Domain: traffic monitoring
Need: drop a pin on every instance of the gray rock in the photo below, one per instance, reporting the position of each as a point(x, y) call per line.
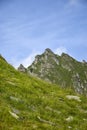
point(62, 70)
point(21, 68)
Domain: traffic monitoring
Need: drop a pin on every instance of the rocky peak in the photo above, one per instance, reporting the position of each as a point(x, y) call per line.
point(48, 52)
point(62, 70)
point(50, 57)
point(21, 68)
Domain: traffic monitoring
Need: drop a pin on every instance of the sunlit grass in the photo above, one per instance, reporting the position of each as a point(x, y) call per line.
point(37, 104)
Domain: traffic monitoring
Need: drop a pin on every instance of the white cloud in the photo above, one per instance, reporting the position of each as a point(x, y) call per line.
point(29, 59)
point(60, 50)
point(26, 61)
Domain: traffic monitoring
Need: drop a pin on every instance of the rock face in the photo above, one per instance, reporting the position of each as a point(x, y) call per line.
point(62, 70)
point(21, 68)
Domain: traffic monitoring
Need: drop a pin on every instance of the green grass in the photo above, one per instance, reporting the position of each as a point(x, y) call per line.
point(38, 105)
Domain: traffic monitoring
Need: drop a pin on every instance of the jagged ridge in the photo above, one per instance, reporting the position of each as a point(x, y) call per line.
point(62, 70)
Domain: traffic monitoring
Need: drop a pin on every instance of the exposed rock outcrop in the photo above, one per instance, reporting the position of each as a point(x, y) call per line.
point(21, 68)
point(62, 70)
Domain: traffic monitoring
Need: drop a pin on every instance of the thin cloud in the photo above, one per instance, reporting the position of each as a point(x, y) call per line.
point(60, 50)
point(26, 61)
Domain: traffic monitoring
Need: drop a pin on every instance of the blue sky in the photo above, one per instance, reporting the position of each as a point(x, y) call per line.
point(28, 27)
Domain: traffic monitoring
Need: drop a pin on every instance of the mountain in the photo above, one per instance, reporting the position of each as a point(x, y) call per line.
point(62, 70)
point(28, 103)
point(21, 68)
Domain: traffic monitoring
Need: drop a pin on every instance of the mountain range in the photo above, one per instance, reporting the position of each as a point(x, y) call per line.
point(61, 70)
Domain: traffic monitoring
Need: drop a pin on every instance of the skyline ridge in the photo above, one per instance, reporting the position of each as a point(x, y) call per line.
point(28, 27)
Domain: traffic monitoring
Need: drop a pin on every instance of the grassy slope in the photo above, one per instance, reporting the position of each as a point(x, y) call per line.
point(38, 105)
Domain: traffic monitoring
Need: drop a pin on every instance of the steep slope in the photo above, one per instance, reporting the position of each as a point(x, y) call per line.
point(62, 70)
point(27, 103)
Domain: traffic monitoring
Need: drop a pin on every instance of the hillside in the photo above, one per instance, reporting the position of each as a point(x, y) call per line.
point(61, 70)
point(28, 103)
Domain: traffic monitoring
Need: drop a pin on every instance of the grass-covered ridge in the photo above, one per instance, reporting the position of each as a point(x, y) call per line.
point(27, 103)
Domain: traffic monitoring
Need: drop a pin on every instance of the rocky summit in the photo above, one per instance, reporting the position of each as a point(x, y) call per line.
point(62, 70)
point(21, 68)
